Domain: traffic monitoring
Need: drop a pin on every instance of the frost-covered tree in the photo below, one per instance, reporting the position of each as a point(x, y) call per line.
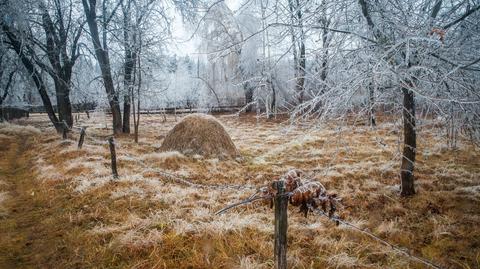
point(421, 52)
point(8, 71)
point(362, 56)
point(45, 36)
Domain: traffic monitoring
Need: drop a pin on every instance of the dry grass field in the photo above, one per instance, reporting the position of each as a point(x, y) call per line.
point(61, 208)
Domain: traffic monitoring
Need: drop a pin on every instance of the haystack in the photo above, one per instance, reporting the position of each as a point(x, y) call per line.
point(200, 134)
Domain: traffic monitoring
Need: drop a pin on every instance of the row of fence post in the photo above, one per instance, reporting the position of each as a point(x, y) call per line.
point(281, 204)
point(111, 144)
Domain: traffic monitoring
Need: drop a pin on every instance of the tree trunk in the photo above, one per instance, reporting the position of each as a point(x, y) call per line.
point(7, 86)
point(128, 85)
point(104, 62)
point(137, 69)
point(301, 72)
point(126, 114)
point(273, 102)
point(409, 143)
point(299, 59)
point(128, 67)
point(61, 74)
point(64, 105)
point(18, 47)
point(136, 133)
point(371, 103)
point(68, 108)
point(248, 96)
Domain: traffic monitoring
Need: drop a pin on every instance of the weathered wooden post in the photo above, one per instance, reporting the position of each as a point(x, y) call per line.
point(281, 225)
point(82, 137)
point(113, 156)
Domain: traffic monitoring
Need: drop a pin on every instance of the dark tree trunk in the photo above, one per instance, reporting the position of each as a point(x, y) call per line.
point(68, 108)
point(104, 62)
point(129, 64)
point(18, 47)
point(137, 69)
point(300, 87)
point(7, 85)
point(128, 85)
point(323, 73)
point(324, 60)
point(126, 114)
point(64, 106)
point(248, 96)
point(371, 105)
point(61, 54)
point(273, 103)
point(299, 59)
point(61, 73)
point(409, 143)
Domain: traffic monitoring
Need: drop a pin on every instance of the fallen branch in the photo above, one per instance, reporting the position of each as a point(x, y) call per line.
point(244, 108)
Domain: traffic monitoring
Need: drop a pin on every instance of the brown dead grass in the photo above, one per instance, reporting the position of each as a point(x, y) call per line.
point(143, 220)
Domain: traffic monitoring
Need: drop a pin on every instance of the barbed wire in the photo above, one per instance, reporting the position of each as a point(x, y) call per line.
point(252, 198)
point(189, 182)
point(398, 249)
point(337, 221)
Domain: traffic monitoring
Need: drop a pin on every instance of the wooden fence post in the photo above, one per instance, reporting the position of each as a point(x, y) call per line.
point(113, 156)
point(82, 138)
point(281, 225)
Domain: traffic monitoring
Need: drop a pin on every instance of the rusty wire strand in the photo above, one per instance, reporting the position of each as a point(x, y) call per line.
point(185, 181)
point(398, 249)
point(243, 202)
point(254, 198)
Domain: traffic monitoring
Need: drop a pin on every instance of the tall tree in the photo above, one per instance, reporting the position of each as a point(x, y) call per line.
point(62, 34)
point(298, 47)
point(7, 74)
point(59, 45)
point(129, 42)
point(410, 58)
point(101, 53)
point(24, 52)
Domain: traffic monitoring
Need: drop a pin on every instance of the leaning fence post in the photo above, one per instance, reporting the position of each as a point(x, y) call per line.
point(281, 225)
point(82, 138)
point(113, 156)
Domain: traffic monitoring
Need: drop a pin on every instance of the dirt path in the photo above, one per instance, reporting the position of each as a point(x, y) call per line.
point(26, 236)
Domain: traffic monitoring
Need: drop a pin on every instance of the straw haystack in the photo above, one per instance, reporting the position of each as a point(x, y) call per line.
point(200, 134)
